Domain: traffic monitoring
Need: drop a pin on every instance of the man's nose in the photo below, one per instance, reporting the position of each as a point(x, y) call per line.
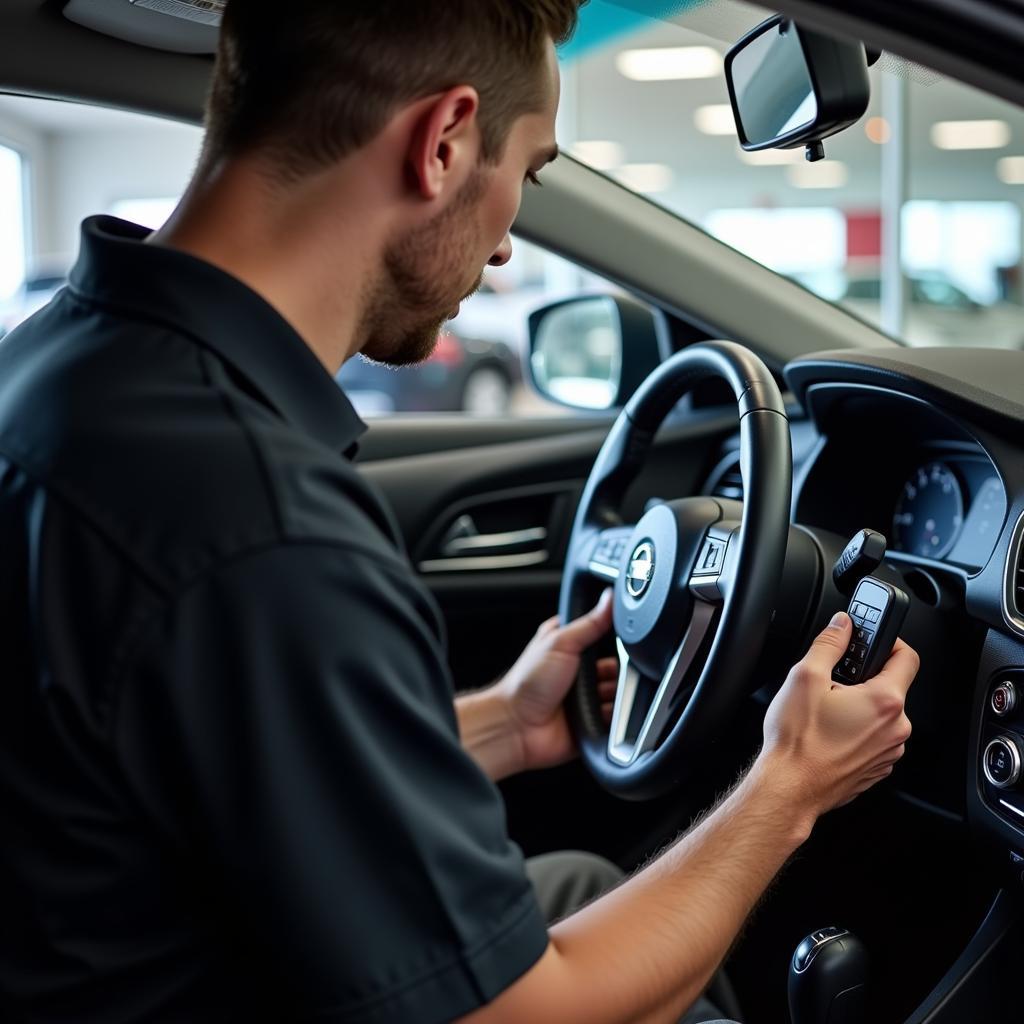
point(502, 254)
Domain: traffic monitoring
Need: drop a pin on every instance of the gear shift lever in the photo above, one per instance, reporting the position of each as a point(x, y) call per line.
point(828, 979)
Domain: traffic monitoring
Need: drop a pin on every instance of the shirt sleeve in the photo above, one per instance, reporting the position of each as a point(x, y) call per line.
point(289, 721)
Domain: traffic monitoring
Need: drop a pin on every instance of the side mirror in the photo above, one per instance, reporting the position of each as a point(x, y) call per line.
point(592, 352)
point(790, 86)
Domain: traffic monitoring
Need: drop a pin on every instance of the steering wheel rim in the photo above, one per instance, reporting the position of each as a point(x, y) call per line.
point(727, 610)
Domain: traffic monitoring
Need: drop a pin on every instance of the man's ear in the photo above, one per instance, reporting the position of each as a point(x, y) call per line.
point(445, 142)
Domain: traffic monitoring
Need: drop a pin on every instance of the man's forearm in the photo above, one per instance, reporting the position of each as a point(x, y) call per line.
point(487, 733)
point(647, 950)
point(678, 917)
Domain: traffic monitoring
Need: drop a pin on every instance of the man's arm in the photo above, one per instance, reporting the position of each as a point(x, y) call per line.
point(645, 951)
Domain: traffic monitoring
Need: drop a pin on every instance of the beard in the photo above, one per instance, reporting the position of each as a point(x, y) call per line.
point(421, 287)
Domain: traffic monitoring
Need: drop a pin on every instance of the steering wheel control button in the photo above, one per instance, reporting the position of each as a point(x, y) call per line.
point(606, 557)
point(1004, 698)
point(1001, 762)
point(711, 557)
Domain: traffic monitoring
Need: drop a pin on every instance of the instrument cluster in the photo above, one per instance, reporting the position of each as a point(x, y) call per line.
point(951, 509)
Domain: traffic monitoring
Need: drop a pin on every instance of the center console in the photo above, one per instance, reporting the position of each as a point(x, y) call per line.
point(995, 785)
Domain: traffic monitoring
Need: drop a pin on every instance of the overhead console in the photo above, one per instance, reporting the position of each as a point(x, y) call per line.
point(179, 26)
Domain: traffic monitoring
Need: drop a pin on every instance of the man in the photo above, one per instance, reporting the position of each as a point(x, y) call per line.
point(231, 775)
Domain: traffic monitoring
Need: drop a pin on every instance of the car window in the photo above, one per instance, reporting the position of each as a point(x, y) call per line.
point(12, 230)
point(91, 160)
point(479, 364)
point(646, 102)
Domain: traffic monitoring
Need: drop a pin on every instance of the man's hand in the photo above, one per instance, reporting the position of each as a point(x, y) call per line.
point(519, 723)
point(830, 742)
point(824, 744)
point(536, 685)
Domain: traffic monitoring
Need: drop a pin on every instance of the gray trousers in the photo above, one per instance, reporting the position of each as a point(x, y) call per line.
point(567, 880)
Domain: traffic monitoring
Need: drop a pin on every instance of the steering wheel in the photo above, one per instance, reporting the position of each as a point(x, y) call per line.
point(695, 579)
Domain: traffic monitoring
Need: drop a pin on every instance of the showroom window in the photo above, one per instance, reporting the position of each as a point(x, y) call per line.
point(12, 231)
point(921, 200)
point(97, 160)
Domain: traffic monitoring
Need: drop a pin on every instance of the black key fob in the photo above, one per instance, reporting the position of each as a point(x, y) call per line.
point(878, 610)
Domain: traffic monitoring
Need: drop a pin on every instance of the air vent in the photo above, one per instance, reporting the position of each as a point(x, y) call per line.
point(1013, 584)
point(726, 480)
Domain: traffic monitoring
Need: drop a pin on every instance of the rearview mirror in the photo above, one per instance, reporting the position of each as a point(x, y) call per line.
point(593, 351)
point(790, 86)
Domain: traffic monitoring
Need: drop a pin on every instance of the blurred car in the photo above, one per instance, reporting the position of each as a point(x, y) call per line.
point(34, 293)
point(940, 313)
point(500, 314)
point(462, 375)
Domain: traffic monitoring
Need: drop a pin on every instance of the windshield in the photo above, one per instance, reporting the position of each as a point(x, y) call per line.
point(934, 171)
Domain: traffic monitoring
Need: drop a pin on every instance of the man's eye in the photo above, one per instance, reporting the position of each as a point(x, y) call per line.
point(531, 177)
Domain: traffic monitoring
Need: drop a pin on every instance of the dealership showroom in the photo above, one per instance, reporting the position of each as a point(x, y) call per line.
point(512, 511)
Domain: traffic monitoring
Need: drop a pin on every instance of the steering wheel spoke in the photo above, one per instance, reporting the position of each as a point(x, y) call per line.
point(631, 735)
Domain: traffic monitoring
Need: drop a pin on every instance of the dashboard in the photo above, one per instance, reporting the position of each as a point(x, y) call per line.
point(927, 447)
point(904, 469)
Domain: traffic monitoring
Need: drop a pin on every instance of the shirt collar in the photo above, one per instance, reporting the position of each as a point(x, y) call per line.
point(116, 269)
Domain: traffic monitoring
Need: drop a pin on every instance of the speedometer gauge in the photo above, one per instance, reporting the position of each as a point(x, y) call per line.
point(930, 512)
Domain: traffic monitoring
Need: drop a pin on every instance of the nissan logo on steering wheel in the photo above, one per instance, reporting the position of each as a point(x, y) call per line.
point(641, 569)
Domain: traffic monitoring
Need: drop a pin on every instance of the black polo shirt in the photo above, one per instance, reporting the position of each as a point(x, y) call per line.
point(231, 783)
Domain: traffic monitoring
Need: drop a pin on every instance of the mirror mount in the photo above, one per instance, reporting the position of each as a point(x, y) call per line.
point(791, 86)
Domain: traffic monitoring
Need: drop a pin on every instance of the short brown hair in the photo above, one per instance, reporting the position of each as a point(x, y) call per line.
point(310, 81)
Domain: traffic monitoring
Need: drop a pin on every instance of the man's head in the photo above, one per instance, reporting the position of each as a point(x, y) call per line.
point(452, 104)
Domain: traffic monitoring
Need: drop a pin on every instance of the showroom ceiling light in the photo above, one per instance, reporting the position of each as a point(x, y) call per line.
point(771, 157)
point(823, 174)
point(601, 154)
point(669, 63)
point(715, 119)
point(982, 134)
point(877, 130)
point(1011, 170)
point(645, 178)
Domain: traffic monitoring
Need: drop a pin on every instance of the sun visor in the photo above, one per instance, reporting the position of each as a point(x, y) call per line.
point(179, 26)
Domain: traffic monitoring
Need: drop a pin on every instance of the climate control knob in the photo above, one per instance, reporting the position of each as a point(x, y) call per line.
point(1004, 698)
point(1001, 762)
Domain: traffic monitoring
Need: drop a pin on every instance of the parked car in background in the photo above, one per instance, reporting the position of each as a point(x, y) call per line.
point(940, 313)
point(462, 375)
point(499, 312)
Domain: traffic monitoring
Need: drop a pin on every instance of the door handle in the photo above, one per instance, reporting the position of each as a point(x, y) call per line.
point(463, 541)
